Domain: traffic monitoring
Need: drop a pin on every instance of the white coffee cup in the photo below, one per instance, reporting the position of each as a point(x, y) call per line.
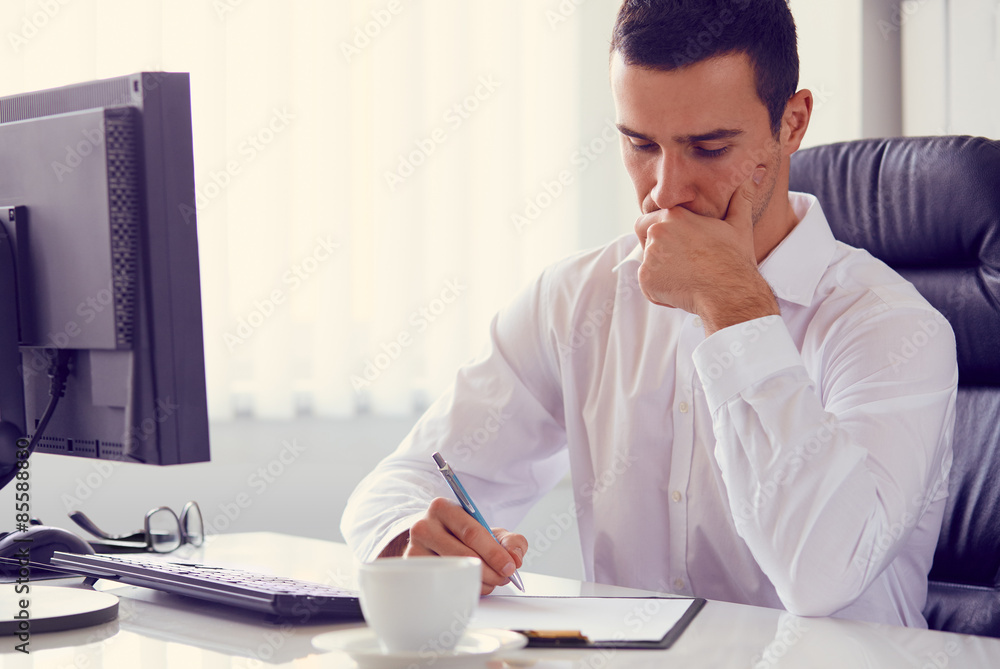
point(419, 604)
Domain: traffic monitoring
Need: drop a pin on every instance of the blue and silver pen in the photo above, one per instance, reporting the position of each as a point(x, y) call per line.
point(469, 506)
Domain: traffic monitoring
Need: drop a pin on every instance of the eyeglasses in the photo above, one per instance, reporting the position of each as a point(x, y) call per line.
point(162, 531)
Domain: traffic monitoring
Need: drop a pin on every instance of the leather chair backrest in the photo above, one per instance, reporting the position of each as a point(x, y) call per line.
point(930, 208)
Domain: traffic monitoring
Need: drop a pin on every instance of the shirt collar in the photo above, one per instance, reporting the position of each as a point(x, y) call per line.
point(796, 265)
point(634, 257)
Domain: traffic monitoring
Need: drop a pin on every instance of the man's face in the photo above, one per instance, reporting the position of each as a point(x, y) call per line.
point(690, 136)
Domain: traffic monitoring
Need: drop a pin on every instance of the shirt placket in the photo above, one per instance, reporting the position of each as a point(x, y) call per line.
point(681, 453)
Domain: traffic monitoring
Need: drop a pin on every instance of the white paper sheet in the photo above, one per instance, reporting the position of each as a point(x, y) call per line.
point(598, 618)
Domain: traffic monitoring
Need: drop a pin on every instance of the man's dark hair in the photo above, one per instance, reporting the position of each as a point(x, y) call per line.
point(671, 34)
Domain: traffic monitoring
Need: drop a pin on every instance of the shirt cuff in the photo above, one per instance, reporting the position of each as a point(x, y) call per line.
point(739, 356)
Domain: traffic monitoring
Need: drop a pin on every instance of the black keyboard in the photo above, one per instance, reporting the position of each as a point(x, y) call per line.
point(284, 597)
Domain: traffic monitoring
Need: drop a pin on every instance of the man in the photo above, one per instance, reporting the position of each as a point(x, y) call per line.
point(725, 391)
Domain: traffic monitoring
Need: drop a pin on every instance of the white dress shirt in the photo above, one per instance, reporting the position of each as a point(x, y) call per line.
point(797, 462)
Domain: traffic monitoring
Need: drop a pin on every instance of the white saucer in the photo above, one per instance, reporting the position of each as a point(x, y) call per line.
point(475, 645)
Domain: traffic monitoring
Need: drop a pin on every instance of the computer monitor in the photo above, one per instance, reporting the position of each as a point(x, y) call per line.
point(99, 273)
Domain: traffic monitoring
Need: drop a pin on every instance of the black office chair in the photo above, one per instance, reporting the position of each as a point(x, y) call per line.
point(930, 208)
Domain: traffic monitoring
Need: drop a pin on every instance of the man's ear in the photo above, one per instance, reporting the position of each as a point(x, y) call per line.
point(795, 121)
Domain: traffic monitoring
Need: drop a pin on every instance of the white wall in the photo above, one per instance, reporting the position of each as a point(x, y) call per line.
point(951, 73)
point(829, 66)
point(849, 58)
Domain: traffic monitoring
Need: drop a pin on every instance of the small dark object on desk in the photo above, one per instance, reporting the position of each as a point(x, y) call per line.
point(37, 544)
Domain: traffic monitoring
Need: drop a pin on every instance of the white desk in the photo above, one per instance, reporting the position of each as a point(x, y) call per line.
point(156, 631)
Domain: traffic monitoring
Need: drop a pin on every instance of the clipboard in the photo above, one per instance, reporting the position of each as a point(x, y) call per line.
point(644, 622)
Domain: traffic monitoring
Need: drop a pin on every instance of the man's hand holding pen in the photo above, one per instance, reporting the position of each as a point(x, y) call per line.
point(460, 529)
point(446, 529)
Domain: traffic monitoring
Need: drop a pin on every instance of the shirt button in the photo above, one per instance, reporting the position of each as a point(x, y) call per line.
point(676, 496)
point(696, 322)
point(679, 584)
point(683, 407)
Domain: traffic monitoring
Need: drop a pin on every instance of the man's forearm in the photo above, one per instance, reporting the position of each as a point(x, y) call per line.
point(397, 546)
point(738, 304)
